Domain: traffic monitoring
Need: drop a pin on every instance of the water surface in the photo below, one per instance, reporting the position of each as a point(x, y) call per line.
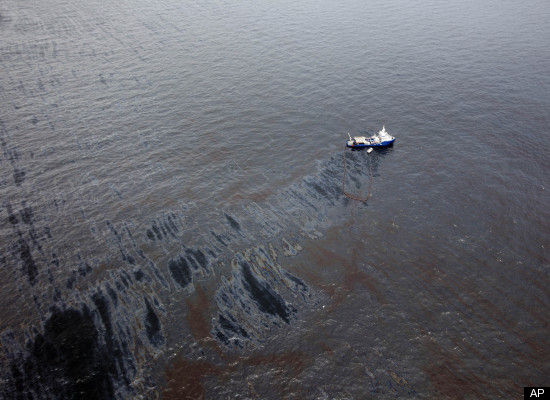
point(173, 222)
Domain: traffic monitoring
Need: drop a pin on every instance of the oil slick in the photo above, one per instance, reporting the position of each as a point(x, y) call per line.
point(98, 322)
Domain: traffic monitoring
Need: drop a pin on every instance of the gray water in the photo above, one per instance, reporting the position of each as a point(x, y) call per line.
point(173, 221)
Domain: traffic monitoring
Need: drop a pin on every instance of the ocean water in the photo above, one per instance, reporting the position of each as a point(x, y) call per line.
point(173, 220)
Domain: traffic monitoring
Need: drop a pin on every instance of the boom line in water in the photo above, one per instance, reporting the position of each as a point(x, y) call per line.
point(352, 196)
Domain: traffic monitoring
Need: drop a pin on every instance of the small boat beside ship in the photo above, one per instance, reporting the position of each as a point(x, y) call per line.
point(381, 139)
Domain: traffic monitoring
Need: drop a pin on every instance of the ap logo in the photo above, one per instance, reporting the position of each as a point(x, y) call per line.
point(536, 393)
